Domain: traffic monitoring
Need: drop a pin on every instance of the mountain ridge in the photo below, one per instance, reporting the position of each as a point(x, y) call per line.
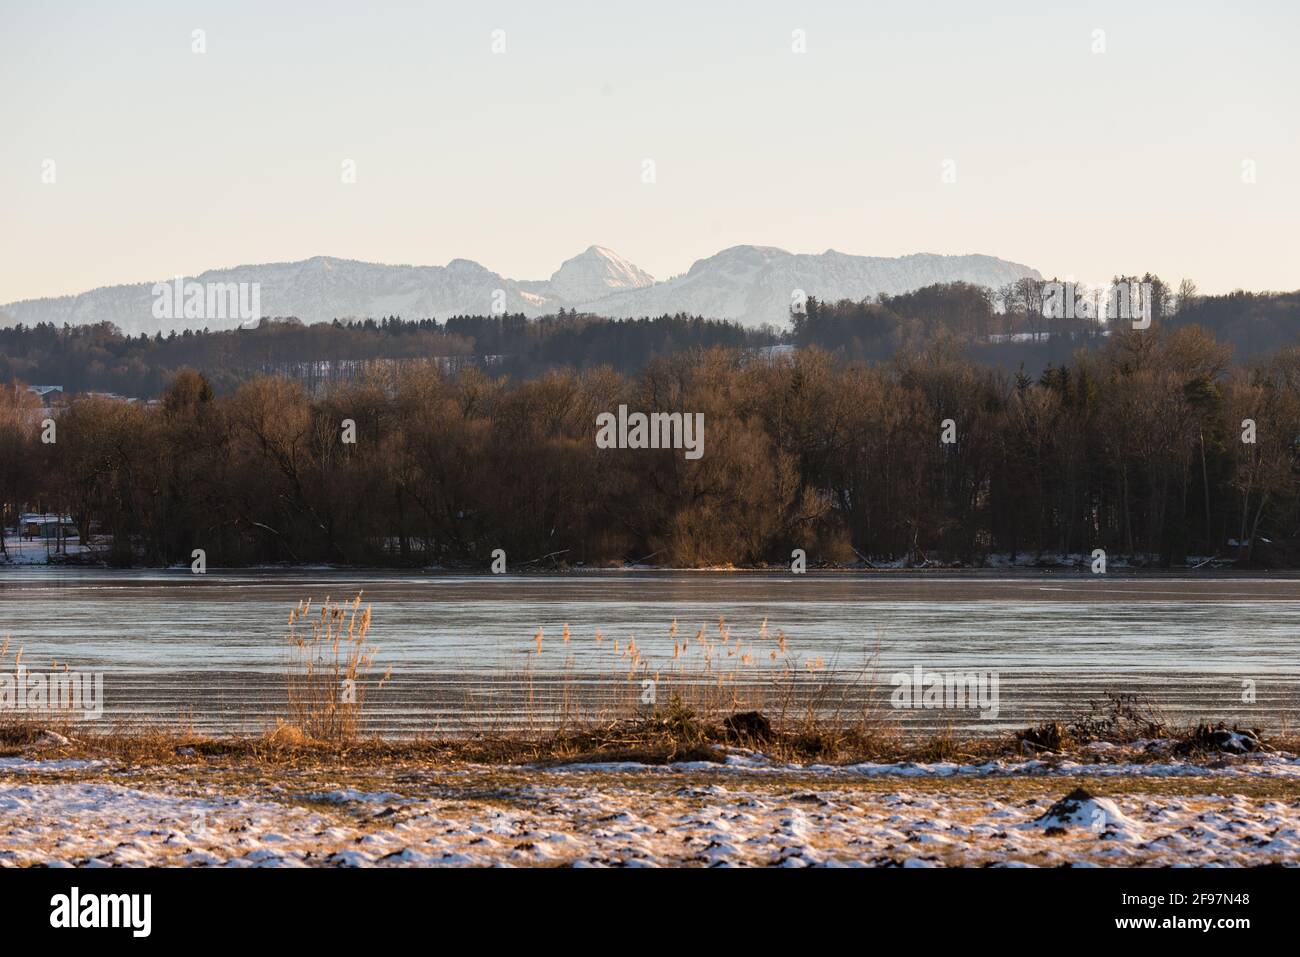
point(749, 284)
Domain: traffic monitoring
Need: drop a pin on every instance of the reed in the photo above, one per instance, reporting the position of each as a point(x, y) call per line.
point(328, 670)
point(605, 692)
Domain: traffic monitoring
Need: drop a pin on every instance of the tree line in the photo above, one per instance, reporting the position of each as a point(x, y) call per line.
point(99, 358)
point(1138, 446)
point(1009, 327)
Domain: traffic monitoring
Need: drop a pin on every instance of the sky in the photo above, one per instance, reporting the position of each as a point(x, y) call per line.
point(1100, 139)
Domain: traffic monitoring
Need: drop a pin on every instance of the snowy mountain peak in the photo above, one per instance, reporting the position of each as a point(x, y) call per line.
point(596, 272)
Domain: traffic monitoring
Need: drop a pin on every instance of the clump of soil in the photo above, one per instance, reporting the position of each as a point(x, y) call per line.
point(1065, 811)
point(1049, 736)
point(748, 726)
point(1206, 738)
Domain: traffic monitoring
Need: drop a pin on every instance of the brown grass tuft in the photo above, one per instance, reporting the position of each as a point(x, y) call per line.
point(328, 666)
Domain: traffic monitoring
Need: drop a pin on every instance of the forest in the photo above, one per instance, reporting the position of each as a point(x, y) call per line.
point(1152, 444)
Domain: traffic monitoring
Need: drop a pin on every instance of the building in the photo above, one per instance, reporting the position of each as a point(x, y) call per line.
point(48, 394)
point(111, 397)
point(46, 527)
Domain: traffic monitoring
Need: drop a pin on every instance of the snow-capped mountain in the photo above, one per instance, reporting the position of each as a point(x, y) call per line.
point(594, 274)
point(758, 284)
point(315, 290)
point(752, 284)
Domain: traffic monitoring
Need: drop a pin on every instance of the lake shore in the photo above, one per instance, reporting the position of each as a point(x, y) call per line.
point(20, 550)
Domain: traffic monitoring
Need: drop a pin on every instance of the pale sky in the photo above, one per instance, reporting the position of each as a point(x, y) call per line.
point(1079, 163)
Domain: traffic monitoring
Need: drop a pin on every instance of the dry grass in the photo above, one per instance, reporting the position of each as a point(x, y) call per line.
point(327, 672)
point(654, 740)
point(713, 672)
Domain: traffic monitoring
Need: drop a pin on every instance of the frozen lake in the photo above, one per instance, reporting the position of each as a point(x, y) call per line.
point(210, 650)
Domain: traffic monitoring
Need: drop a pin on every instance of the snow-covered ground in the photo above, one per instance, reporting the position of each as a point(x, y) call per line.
point(748, 813)
point(36, 551)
